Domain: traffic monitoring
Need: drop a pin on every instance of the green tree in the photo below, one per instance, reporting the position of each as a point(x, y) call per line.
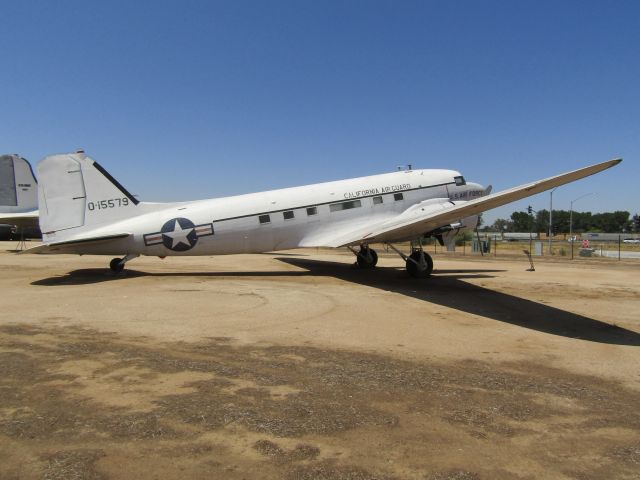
point(521, 222)
point(501, 225)
point(560, 221)
point(612, 222)
point(541, 223)
point(582, 221)
point(609, 222)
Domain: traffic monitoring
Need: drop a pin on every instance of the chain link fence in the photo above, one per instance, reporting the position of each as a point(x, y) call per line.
point(620, 248)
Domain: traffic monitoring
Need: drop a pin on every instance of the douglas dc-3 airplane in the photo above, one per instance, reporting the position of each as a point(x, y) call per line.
point(84, 210)
point(18, 193)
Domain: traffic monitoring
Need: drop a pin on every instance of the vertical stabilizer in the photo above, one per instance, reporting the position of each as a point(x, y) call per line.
point(76, 193)
point(18, 186)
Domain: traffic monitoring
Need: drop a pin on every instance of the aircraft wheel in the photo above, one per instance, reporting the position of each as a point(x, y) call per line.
point(367, 258)
point(116, 265)
point(424, 268)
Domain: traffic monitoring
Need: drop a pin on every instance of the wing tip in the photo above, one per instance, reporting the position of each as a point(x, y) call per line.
point(608, 164)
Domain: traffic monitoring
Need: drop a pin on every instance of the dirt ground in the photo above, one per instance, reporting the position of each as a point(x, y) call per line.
point(296, 365)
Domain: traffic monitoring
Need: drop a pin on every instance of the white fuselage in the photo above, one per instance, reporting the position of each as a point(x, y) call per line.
point(277, 219)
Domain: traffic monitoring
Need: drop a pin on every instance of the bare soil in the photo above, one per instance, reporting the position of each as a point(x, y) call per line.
point(298, 366)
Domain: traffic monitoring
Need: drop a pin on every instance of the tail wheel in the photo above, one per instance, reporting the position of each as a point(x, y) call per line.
point(116, 265)
point(421, 266)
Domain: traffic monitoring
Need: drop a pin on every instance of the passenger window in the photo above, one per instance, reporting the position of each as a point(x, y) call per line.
point(288, 215)
point(460, 181)
point(312, 211)
point(336, 207)
point(398, 196)
point(264, 219)
point(377, 200)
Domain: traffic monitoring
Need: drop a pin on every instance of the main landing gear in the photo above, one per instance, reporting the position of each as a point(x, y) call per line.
point(366, 257)
point(117, 264)
point(419, 263)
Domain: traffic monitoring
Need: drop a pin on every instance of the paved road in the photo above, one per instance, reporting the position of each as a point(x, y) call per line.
point(614, 254)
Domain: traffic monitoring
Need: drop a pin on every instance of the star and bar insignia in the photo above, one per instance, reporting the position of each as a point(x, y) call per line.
point(179, 234)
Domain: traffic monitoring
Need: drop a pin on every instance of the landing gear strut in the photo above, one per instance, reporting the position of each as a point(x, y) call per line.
point(365, 257)
point(419, 264)
point(117, 264)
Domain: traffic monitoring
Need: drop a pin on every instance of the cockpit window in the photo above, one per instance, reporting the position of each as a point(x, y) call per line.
point(459, 180)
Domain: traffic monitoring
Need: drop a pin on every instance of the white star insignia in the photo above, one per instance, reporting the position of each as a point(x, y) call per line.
point(179, 235)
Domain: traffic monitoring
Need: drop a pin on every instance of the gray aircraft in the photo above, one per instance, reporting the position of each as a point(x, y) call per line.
point(18, 196)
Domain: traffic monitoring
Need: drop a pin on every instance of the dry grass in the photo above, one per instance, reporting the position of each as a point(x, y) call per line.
point(331, 395)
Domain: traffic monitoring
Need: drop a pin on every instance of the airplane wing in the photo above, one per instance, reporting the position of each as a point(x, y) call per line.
point(22, 220)
point(70, 245)
point(416, 222)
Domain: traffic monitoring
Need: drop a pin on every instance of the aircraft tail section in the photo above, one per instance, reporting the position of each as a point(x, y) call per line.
point(18, 185)
point(75, 192)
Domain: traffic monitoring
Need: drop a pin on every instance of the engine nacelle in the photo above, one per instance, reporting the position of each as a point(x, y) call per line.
point(467, 223)
point(447, 233)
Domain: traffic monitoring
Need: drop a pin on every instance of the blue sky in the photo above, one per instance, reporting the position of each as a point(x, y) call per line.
point(195, 99)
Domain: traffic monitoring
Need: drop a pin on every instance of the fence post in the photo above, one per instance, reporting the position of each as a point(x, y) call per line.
point(572, 242)
point(619, 245)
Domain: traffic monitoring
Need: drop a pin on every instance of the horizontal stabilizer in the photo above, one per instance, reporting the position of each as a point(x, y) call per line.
point(70, 245)
point(20, 220)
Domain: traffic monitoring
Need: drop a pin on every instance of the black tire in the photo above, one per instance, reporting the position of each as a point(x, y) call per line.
point(414, 270)
point(374, 254)
point(116, 266)
point(367, 261)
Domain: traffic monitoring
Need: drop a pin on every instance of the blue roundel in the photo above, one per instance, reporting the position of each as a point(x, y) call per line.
point(179, 234)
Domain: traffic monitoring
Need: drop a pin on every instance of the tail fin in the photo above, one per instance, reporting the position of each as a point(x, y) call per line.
point(18, 186)
point(75, 191)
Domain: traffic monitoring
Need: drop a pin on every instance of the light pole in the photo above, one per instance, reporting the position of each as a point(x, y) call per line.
point(571, 212)
point(571, 219)
point(551, 217)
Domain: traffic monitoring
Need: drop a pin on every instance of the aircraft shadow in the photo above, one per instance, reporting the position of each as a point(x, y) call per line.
point(87, 276)
point(445, 287)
